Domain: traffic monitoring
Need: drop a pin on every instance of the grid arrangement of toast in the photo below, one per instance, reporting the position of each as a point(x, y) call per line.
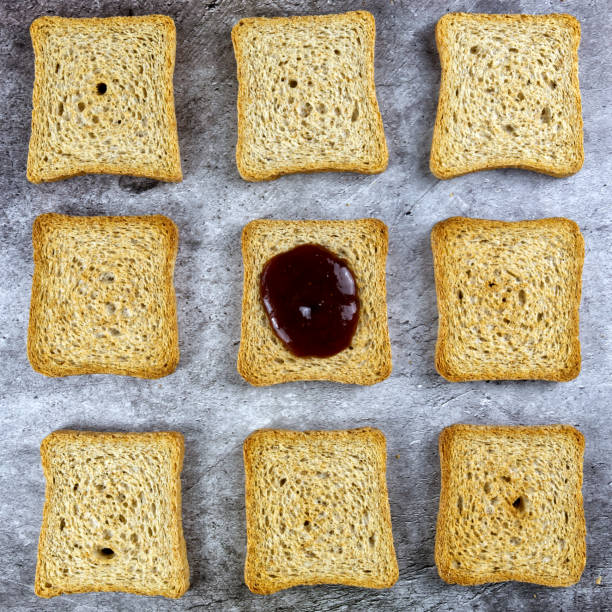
point(314, 302)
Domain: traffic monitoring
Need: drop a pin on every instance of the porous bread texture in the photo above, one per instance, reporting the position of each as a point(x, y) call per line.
point(262, 358)
point(317, 510)
point(508, 298)
point(511, 505)
point(103, 296)
point(306, 96)
point(112, 515)
point(509, 94)
point(103, 99)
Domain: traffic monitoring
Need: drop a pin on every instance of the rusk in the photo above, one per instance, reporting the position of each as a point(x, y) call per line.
point(317, 510)
point(103, 99)
point(103, 297)
point(511, 505)
point(509, 94)
point(508, 298)
point(262, 358)
point(306, 96)
point(112, 515)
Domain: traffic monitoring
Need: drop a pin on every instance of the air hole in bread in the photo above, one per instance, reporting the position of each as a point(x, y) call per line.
point(510, 129)
point(519, 504)
point(522, 297)
point(513, 50)
point(106, 553)
point(506, 478)
point(81, 106)
point(372, 540)
point(460, 294)
point(475, 49)
point(546, 115)
point(292, 83)
point(460, 504)
point(283, 481)
point(355, 114)
point(101, 88)
point(62, 523)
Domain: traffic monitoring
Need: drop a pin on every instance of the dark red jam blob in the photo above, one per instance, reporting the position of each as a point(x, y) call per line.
point(311, 299)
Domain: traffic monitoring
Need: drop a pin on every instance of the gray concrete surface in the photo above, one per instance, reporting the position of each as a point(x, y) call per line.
point(207, 400)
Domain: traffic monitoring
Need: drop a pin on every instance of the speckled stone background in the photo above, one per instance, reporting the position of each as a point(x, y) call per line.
point(208, 401)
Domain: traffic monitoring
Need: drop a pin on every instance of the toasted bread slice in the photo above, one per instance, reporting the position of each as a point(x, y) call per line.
point(317, 510)
point(306, 96)
point(112, 515)
point(263, 359)
point(511, 505)
point(103, 98)
point(508, 298)
point(103, 296)
point(509, 94)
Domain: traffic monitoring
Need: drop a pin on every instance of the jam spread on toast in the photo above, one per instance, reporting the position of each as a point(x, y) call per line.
point(311, 298)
